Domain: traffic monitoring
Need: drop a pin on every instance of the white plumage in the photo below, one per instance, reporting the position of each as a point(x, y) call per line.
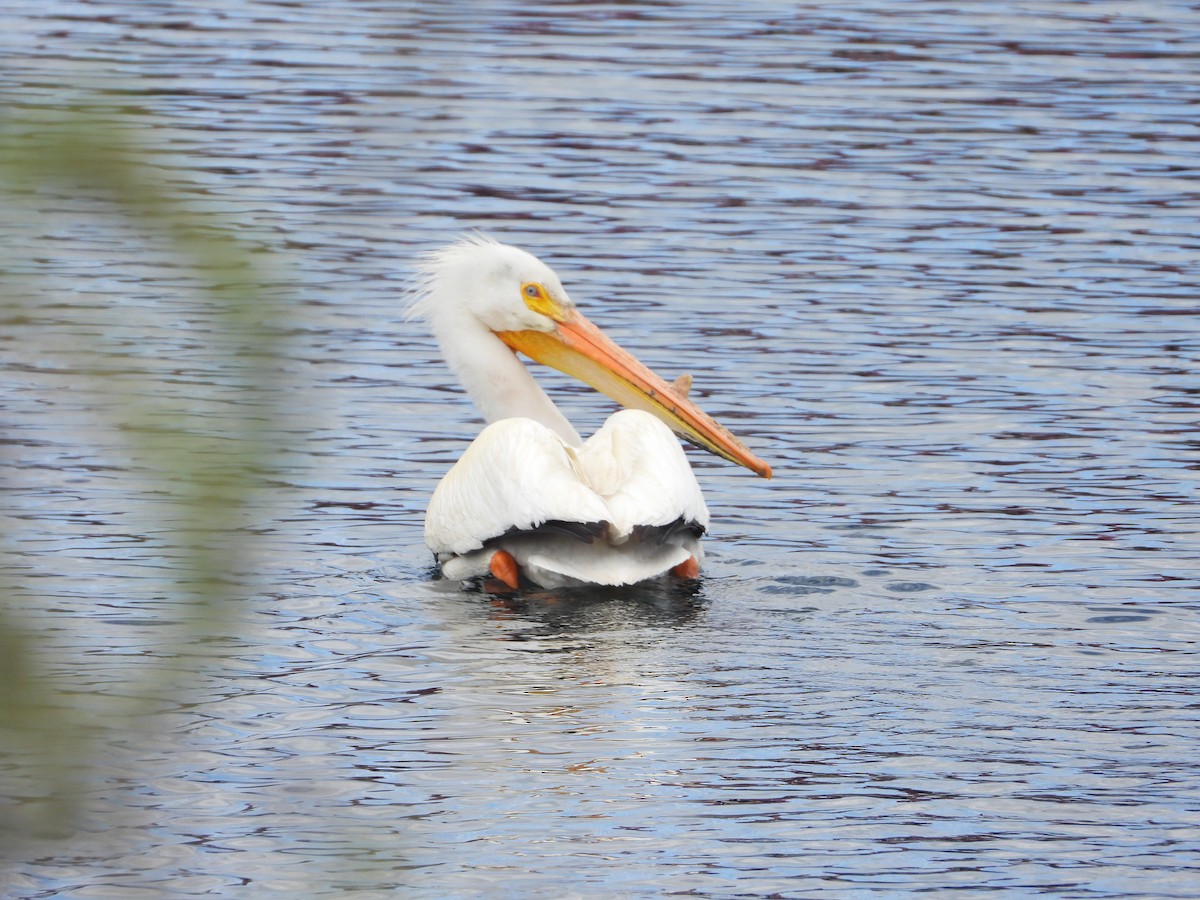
point(631, 473)
point(622, 507)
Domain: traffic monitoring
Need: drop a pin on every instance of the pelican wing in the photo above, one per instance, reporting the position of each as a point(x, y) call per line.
point(638, 466)
point(520, 487)
point(516, 475)
point(656, 513)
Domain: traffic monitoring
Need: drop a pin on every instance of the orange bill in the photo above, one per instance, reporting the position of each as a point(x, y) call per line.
point(580, 349)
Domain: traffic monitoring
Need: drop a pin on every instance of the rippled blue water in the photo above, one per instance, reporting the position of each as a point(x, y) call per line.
point(937, 265)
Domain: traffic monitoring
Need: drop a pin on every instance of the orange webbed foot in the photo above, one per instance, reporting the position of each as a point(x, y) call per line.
point(689, 568)
point(504, 567)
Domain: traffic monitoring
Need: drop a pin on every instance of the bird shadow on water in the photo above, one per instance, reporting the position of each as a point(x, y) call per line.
point(663, 602)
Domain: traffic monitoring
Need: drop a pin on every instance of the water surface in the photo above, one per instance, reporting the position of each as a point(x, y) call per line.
point(938, 267)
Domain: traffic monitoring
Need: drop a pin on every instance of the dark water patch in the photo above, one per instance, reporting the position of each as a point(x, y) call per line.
point(909, 587)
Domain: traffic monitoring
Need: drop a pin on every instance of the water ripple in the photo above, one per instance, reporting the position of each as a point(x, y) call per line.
point(937, 266)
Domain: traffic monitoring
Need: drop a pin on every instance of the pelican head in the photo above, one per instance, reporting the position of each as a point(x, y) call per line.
point(503, 288)
point(479, 284)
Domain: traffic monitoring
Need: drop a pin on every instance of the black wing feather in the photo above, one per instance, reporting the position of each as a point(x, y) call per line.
point(660, 534)
point(584, 532)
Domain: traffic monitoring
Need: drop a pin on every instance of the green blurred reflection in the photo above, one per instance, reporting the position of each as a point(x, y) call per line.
point(207, 477)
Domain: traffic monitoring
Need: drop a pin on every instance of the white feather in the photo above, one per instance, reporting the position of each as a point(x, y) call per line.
point(518, 474)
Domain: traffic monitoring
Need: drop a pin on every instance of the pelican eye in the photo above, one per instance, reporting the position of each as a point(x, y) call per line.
point(538, 299)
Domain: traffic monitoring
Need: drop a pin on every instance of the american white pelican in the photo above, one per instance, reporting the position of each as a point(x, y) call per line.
point(529, 499)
